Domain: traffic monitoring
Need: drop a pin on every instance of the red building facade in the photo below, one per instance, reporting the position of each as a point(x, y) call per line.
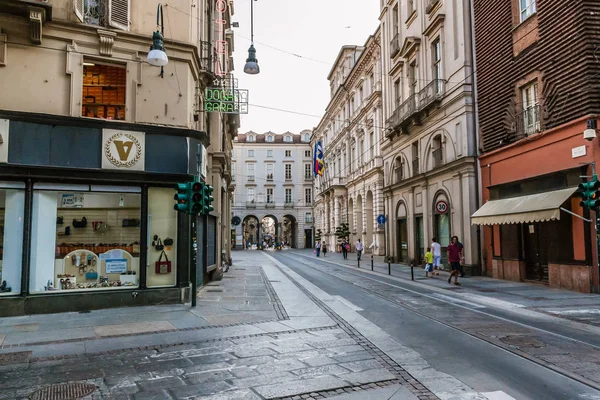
point(537, 86)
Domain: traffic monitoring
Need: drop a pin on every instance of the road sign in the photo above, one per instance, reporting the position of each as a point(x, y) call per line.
point(381, 219)
point(441, 207)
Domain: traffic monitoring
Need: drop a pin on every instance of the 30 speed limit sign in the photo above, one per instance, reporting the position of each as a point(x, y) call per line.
point(441, 207)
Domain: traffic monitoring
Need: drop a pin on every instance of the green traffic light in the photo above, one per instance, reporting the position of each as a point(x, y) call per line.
point(207, 208)
point(588, 191)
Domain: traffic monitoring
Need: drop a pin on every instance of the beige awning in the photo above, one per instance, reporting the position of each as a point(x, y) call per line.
point(530, 208)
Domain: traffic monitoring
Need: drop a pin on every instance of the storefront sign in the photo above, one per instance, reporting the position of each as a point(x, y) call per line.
point(226, 99)
point(220, 44)
point(441, 207)
point(578, 151)
point(116, 266)
point(72, 200)
point(123, 150)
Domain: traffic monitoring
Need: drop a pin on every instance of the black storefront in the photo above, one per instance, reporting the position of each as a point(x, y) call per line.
point(87, 218)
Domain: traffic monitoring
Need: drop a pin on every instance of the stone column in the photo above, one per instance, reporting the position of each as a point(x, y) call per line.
point(336, 213)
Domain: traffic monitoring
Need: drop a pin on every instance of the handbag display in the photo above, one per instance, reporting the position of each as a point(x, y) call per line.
point(131, 223)
point(168, 242)
point(159, 245)
point(162, 267)
point(80, 224)
point(91, 275)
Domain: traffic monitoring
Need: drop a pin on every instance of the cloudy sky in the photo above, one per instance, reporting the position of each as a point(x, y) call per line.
point(312, 29)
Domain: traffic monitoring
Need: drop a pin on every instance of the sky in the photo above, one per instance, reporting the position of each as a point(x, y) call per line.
point(312, 29)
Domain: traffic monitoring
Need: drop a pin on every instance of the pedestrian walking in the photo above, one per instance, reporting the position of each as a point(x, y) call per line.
point(324, 248)
point(437, 256)
point(345, 247)
point(454, 258)
point(318, 248)
point(428, 263)
point(359, 249)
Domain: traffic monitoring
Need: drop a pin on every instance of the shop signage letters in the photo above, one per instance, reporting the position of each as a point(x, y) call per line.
point(123, 150)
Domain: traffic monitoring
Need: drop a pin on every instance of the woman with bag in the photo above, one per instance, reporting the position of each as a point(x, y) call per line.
point(324, 247)
point(345, 249)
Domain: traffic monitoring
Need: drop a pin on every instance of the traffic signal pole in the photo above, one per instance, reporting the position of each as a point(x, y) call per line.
point(597, 227)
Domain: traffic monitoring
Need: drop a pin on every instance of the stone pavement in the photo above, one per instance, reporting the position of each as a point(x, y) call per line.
point(262, 333)
point(566, 304)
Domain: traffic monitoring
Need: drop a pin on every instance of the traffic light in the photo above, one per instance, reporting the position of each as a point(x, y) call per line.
point(182, 197)
point(197, 198)
point(589, 193)
point(207, 199)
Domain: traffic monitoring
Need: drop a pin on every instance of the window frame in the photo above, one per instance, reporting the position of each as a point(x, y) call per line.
point(250, 153)
point(288, 172)
point(526, 9)
point(288, 195)
point(308, 196)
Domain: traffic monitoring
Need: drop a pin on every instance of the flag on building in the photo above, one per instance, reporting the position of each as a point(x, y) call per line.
point(319, 164)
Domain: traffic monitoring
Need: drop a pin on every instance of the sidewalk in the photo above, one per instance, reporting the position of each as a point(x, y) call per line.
point(263, 332)
point(575, 306)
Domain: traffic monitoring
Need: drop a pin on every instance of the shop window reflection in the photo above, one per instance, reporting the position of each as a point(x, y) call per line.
point(85, 241)
point(162, 240)
point(12, 203)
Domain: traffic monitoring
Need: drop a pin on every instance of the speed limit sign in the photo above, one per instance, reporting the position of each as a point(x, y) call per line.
point(441, 207)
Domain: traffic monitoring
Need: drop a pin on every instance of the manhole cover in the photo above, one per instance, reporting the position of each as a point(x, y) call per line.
point(523, 341)
point(65, 391)
point(15, 358)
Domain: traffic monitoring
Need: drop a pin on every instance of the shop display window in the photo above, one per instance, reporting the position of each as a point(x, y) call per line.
point(12, 201)
point(85, 238)
point(162, 238)
point(103, 90)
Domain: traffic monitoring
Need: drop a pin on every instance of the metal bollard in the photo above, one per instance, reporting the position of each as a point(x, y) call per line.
point(358, 261)
point(371, 262)
point(389, 267)
point(412, 271)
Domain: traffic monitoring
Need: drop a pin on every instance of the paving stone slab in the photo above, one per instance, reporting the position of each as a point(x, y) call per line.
point(203, 389)
point(261, 380)
point(373, 375)
point(160, 383)
point(314, 372)
point(300, 386)
point(394, 392)
point(242, 394)
point(195, 378)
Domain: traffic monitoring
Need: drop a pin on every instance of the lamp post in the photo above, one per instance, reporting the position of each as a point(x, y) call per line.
point(251, 67)
point(157, 56)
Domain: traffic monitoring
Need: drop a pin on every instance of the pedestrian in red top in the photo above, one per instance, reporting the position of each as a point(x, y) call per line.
point(455, 254)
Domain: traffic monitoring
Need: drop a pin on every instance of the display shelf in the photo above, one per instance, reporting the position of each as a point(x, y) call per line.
point(104, 104)
point(102, 85)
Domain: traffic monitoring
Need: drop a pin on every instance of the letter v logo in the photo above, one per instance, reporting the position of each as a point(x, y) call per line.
point(124, 149)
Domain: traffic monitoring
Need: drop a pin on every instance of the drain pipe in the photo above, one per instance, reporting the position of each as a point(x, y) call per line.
point(480, 241)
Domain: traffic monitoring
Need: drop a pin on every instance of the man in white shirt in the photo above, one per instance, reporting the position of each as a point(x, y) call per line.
point(359, 249)
point(436, 248)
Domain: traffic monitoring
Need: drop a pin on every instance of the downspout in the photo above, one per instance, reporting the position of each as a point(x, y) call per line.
point(471, 25)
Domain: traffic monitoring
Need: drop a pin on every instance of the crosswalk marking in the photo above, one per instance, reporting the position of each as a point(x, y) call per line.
point(498, 395)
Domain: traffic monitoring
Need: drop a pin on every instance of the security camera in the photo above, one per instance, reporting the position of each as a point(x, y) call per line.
point(589, 134)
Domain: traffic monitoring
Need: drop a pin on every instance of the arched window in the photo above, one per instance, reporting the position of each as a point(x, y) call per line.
point(437, 151)
point(251, 138)
point(307, 137)
point(269, 138)
point(398, 170)
point(288, 138)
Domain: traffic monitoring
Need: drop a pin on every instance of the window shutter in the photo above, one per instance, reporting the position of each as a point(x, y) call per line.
point(118, 14)
point(78, 8)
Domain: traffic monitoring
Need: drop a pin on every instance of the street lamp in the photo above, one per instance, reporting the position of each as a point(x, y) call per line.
point(157, 56)
point(251, 67)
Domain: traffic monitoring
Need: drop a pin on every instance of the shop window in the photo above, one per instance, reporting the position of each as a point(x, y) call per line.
point(162, 229)
point(85, 238)
point(12, 201)
point(510, 241)
point(103, 90)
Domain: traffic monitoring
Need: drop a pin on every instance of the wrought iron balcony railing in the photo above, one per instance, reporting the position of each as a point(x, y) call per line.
point(395, 45)
point(415, 105)
point(529, 121)
point(437, 157)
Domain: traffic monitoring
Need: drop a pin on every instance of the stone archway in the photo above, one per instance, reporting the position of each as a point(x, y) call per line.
point(269, 229)
point(250, 230)
point(289, 228)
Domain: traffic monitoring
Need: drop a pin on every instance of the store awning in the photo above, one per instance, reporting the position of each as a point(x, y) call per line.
point(530, 208)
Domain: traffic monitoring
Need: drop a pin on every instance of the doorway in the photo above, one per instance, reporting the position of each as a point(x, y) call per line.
point(420, 240)
point(536, 256)
point(308, 241)
point(402, 240)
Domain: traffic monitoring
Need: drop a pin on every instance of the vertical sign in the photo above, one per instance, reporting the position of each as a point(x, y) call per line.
point(220, 43)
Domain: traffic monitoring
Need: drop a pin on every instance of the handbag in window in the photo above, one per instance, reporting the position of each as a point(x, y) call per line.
point(91, 275)
point(163, 267)
point(159, 245)
point(80, 224)
point(168, 242)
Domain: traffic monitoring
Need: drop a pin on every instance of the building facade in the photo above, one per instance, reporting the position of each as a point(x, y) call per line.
point(534, 105)
point(351, 189)
point(430, 146)
point(92, 142)
point(273, 196)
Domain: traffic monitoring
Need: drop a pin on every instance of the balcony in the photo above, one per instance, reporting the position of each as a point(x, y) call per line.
point(395, 45)
point(288, 204)
point(431, 5)
point(251, 204)
point(206, 56)
point(438, 158)
point(528, 121)
point(415, 107)
point(415, 165)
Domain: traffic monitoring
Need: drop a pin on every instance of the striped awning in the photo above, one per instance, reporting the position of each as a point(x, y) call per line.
point(531, 208)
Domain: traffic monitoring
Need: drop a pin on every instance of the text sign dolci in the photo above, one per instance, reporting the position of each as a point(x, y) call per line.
point(226, 100)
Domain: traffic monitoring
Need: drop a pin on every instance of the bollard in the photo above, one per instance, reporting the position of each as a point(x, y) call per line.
point(412, 271)
point(371, 262)
point(358, 260)
point(389, 267)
